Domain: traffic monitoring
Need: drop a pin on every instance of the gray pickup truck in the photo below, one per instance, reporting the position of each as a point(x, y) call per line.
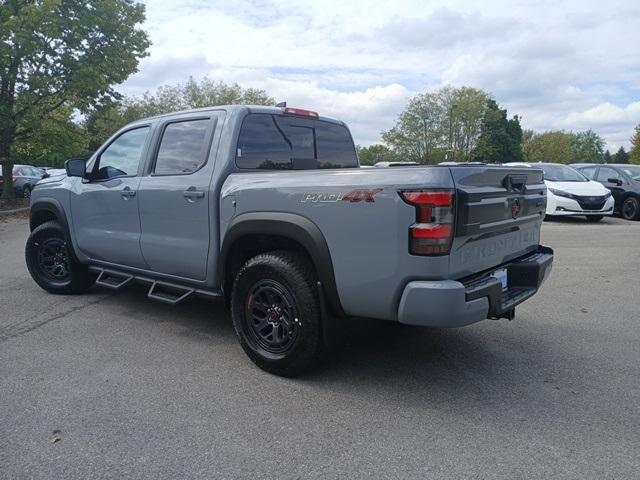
point(268, 209)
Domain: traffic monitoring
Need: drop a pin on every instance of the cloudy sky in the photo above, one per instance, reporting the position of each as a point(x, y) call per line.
point(559, 64)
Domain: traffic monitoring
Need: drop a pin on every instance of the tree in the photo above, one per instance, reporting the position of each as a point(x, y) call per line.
point(607, 157)
point(418, 129)
point(56, 54)
point(438, 125)
point(103, 120)
point(376, 153)
point(501, 138)
point(621, 156)
point(634, 153)
point(587, 147)
point(57, 139)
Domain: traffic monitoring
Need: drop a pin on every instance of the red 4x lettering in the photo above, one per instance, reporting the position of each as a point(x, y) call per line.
point(361, 195)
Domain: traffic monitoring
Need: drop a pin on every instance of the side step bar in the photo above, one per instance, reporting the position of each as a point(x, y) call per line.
point(160, 290)
point(169, 293)
point(114, 280)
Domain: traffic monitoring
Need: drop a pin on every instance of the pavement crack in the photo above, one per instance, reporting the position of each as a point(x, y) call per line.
point(16, 330)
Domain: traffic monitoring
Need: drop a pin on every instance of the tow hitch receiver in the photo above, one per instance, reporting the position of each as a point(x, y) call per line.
point(509, 315)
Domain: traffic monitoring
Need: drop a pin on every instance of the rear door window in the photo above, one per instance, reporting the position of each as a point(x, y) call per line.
point(183, 148)
point(288, 142)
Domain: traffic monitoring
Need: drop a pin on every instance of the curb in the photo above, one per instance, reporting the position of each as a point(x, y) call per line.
point(15, 210)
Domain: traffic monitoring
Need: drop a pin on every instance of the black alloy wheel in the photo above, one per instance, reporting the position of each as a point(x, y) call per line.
point(271, 316)
point(53, 259)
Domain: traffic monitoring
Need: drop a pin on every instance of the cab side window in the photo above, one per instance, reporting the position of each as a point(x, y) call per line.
point(589, 172)
point(122, 157)
point(183, 148)
point(606, 173)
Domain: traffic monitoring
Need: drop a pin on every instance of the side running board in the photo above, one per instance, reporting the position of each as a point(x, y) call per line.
point(169, 293)
point(114, 280)
point(162, 291)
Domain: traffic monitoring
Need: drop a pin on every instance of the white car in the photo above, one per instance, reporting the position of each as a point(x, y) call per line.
point(569, 192)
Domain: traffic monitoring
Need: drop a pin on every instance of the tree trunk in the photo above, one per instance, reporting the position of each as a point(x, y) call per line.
point(8, 195)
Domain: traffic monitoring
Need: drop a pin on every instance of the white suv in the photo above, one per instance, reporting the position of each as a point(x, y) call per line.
point(569, 192)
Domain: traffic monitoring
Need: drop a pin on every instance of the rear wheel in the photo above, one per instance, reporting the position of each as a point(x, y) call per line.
point(51, 263)
point(276, 312)
point(630, 208)
point(594, 218)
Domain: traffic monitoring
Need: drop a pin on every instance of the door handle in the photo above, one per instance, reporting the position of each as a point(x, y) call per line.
point(127, 193)
point(192, 194)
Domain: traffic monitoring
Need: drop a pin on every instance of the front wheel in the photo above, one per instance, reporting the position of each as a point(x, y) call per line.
point(630, 209)
point(26, 192)
point(276, 312)
point(594, 218)
point(51, 264)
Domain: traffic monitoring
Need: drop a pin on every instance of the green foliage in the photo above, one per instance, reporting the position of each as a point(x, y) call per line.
point(587, 147)
point(61, 53)
point(621, 156)
point(500, 138)
point(104, 120)
point(376, 153)
point(57, 140)
point(448, 121)
point(607, 157)
point(563, 147)
point(634, 153)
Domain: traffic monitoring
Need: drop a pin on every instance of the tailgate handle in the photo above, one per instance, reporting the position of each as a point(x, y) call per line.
point(515, 183)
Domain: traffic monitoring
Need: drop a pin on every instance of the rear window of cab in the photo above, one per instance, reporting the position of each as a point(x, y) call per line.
point(281, 142)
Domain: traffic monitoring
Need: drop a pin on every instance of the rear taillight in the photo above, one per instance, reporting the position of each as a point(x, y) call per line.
point(433, 230)
point(13, 180)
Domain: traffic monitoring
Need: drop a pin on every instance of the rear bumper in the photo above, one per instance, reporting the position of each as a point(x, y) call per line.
point(451, 303)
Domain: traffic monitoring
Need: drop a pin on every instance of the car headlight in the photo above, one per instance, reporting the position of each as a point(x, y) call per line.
point(560, 193)
point(607, 195)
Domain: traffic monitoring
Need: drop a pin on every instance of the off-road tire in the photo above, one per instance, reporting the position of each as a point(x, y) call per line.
point(292, 275)
point(61, 273)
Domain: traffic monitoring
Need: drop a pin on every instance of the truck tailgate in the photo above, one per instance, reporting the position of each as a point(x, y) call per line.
point(498, 215)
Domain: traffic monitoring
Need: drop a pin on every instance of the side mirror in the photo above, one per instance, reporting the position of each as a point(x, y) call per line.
point(617, 181)
point(45, 175)
point(75, 167)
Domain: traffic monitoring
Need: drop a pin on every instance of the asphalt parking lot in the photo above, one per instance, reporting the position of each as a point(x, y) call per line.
point(111, 385)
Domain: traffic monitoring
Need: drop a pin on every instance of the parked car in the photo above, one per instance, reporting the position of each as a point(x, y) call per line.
point(624, 183)
point(570, 193)
point(25, 178)
point(268, 209)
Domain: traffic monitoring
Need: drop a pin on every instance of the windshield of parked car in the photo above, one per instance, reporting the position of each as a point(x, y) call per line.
point(632, 171)
point(562, 173)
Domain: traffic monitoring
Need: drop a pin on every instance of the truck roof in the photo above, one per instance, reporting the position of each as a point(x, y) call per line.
point(236, 108)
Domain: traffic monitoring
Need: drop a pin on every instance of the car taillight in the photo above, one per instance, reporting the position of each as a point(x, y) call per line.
point(433, 231)
point(13, 180)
